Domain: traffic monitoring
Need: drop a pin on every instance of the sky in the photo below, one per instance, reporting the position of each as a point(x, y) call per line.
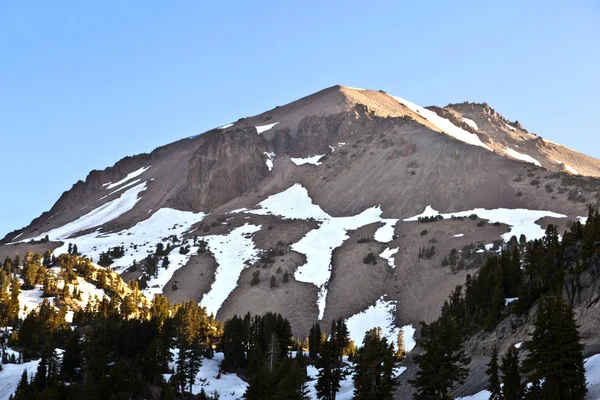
point(84, 84)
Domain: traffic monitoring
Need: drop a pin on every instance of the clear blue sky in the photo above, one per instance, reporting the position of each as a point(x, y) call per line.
point(83, 84)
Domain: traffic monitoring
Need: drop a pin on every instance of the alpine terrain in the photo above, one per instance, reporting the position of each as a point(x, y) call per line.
point(221, 259)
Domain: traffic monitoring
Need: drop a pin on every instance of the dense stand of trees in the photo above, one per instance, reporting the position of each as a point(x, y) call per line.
point(535, 273)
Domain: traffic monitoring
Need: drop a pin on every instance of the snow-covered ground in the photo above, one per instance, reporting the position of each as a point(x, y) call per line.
point(388, 254)
point(443, 124)
point(263, 128)
point(10, 375)
point(229, 386)
point(31, 299)
point(140, 241)
point(571, 169)
point(130, 176)
point(314, 160)
point(346, 391)
point(319, 243)
point(520, 221)
point(232, 252)
point(269, 160)
point(471, 123)
point(98, 216)
point(380, 315)
point(523, 157)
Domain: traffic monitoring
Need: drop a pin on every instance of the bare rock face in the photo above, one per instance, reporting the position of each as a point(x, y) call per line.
point(225, 166)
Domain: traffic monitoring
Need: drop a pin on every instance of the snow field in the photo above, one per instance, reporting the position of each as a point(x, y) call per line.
point(520, 221)
point(444, 125)
point(98, 216)
point(380, 315)
point(263, 128)
point(318, 244)
point(232, 252)
point(140, 241)
point(522, 157)
point(11, 375)
point(229, 386)
point(129, 177)
point(470, 122)
point(314, 160)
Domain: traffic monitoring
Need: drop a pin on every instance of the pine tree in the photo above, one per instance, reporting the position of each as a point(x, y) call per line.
point(374, 368)
point(492, 372)
point(512, 389)
point(314, 341)
point(328, 382)
point(443, 361)
point(556, 353)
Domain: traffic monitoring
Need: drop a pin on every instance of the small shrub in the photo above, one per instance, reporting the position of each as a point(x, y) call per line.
point(481, 223)
point(255, 278)
point(370, 259)
point(424, 232)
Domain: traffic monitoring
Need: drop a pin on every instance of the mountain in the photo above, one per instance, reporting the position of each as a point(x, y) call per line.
point(328, 191)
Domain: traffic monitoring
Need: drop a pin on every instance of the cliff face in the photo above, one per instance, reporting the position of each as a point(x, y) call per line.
point(226, 165)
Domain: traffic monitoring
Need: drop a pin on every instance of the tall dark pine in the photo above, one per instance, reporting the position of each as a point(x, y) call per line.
point(374, 371)
point(512, 389)
point(494, 377)
point(443, 361)
point(556, 353)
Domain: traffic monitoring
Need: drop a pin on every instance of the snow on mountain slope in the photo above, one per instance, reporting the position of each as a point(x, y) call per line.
point(10, 375)
point(99, 216)
point(470, 122)
point(130, 176)
point(314, 160)
point(380, 315)
point(232, 252)
point(264, 128)
point(523, 157)
point(444, 124)
point(319, 243)
point(388, 254)
point(211, 379)
point(520, 221)
point(139, 241)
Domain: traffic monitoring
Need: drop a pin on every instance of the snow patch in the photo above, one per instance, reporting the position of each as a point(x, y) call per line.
point(233, 252)
point(318, 244)
point(380, 315)
point(518, 345)
point(388, 254)
point(314, 160)
point(444, 125)
point(470, 122)
point(129, 177)
point(519, 220)
point(510, 300)
point(522, 157)
point(98, 216)
point(459, 235)
point(269, 160)
point(229, 386)
point(10, 375)
point(263, 128)
point(225, 126)
point(571, 170)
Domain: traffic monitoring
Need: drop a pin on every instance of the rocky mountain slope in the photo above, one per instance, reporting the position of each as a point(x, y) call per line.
point(324, 190)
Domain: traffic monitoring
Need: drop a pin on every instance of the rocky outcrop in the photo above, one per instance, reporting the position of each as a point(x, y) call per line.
point(225, 166)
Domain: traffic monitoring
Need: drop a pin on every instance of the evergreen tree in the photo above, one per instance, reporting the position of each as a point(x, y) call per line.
point(492, 372)
point(314, 341)
point(556, 354)
point(443, 361)
point(374, 370)
point(512, 389)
